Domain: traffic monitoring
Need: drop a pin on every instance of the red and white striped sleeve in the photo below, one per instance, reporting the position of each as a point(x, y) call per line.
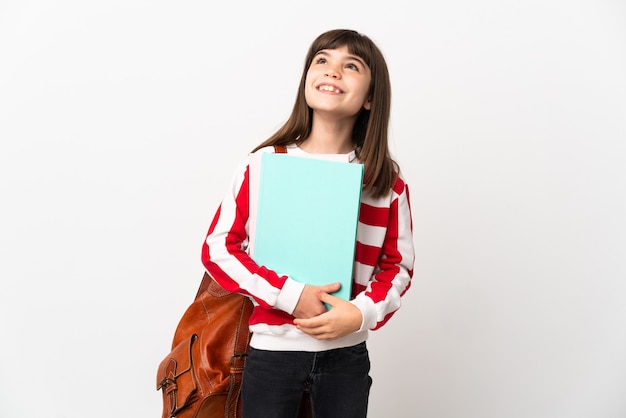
point(385, 255)
point(224, 252)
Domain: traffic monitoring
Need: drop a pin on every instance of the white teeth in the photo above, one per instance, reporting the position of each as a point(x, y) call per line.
point(329, 88)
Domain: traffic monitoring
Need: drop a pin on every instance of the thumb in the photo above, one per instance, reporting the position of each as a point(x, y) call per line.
point(330, 288)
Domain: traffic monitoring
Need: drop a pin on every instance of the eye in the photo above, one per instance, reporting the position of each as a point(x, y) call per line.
point(352, 66)
point(320, 60)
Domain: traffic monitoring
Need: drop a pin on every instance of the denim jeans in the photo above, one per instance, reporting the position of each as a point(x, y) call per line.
point(339, 381)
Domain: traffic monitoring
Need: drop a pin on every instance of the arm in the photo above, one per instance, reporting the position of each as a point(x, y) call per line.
point(380, 299)
point(225, 256)
point(392, 277)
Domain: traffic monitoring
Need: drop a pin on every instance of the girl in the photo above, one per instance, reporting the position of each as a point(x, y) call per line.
point(342, 108)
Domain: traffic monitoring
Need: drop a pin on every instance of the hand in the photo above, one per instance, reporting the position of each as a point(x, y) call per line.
point(344, 318)
point(310, 304)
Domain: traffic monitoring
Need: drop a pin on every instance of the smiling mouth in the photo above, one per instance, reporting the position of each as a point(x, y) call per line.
point(331, 89)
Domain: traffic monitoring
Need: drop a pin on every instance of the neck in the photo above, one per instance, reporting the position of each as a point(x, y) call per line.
point(329, 137)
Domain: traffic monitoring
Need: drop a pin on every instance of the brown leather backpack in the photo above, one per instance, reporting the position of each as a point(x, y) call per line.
point(202, 375)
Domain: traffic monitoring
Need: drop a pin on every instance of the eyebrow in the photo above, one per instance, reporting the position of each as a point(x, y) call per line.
point(350, 57)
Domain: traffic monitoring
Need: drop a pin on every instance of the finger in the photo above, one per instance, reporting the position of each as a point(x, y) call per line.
point(320, 334)
point(329, 299)
point(330, 288)
point(309, 322)
point(316, 332)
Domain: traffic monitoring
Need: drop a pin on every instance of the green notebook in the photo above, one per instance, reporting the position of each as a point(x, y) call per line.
point(306, 219)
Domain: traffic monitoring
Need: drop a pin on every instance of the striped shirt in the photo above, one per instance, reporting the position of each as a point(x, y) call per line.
point(383, 264)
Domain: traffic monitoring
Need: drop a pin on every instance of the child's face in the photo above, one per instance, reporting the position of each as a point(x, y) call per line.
point(338, 82)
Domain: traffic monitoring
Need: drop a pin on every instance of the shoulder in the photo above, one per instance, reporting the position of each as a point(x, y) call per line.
point(399, 190)
point(272, 149)
point(267, 149)
point(254, 158)
point(399, 185)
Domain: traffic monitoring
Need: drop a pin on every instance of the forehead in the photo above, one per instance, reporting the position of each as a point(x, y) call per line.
point(355, 44)
point(342, 52)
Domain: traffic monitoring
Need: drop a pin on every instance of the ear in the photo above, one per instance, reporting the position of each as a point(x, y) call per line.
point(367, 105)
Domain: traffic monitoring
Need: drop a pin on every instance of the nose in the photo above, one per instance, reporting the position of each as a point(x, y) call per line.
point(331, 72)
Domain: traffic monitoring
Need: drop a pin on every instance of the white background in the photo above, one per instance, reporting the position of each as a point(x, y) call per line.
point(121, 123)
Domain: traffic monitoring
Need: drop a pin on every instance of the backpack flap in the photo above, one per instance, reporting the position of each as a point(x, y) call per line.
point(175, 377)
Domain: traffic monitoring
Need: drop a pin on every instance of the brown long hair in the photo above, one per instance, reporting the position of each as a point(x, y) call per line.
point(370, 133)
